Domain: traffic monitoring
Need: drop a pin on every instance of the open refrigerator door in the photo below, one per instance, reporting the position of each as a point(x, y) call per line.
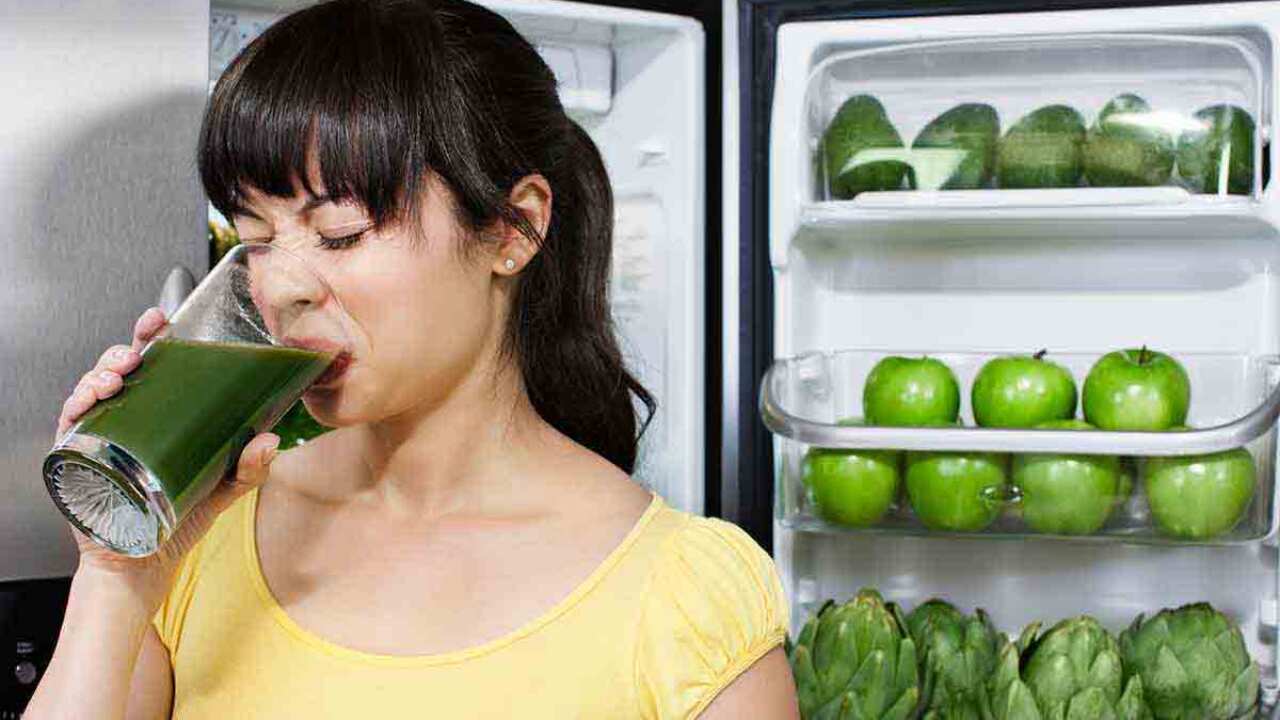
point(953, 191)
point(614, 68)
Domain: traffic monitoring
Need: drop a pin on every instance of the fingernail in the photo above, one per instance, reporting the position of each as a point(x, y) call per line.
point(106, 376)
point(120, 353)
point(272, 450)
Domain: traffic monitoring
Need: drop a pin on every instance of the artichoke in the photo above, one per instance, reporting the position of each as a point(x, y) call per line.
point(1073, 672)
point(957, 655)
point(856, 662)
point(1193, 663)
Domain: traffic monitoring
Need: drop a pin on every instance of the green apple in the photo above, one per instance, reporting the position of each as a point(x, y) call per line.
point(1136, 390)
point(1197, 497)
point(956, 490)
point(852, 487)
point(1067, 494)
point(1022, 391)
point(911, 391)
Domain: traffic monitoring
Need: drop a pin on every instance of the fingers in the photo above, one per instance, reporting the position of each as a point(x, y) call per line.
point(120, 359)
point(255, 462)
point(93, 387)
point(107, 376)
point(151, 322)
point(252, 470)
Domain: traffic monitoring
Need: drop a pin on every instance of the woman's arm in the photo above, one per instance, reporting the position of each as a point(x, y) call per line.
point(151, 690)
point(764, 691)
point(108, 663)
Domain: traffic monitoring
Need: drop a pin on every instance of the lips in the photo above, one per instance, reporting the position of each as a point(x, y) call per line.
point(337, 367)
point(336, 370)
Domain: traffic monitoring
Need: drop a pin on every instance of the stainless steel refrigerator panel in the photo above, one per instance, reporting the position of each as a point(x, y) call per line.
point(99, 200)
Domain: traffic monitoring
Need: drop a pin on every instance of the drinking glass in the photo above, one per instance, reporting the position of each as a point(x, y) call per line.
point(259, 330)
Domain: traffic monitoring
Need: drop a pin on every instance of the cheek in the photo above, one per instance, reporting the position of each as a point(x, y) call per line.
point(425, 317)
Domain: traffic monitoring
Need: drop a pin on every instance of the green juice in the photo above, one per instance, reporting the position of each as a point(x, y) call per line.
point(187, 411)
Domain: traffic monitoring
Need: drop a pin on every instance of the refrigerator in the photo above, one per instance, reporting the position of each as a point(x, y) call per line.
point(874, 238)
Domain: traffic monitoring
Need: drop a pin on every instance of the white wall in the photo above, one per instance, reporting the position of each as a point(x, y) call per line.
point(98, 200)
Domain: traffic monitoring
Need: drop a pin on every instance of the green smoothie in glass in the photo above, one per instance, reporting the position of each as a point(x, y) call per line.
point(193, 404)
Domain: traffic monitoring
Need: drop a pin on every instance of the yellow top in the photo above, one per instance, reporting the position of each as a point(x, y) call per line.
point(677, 611)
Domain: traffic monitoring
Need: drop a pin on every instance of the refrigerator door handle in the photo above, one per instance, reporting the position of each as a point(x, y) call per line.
point(177, 286)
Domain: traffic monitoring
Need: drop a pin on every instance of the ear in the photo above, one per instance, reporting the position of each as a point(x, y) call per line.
point(531, 196)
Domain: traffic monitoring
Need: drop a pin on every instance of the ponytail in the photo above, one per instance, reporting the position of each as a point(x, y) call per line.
point(561, 325)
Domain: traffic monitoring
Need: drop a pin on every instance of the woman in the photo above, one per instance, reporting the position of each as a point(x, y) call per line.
point(467, 542)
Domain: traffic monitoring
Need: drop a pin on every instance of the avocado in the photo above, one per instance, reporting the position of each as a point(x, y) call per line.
point(1042, 150)
point(973, 128)
point(1126, 148)
point(1222, 132)
point(859, 126)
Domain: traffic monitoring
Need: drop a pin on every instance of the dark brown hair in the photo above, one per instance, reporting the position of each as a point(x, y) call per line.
point(384, 92)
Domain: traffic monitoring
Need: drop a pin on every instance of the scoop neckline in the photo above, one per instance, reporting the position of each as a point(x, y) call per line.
point(282, 618)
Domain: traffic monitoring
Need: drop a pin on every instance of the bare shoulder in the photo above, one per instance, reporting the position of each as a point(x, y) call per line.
point(594, 503)
point(590, 485)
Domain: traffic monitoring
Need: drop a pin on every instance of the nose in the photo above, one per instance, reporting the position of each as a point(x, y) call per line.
point(283, 287)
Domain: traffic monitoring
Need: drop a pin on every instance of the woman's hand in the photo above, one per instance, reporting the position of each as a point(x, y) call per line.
point(147, 580)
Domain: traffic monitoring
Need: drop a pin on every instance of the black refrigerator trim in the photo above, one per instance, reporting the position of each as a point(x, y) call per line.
point(752, 488)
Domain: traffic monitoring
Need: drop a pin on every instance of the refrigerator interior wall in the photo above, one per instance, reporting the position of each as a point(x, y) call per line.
point(635, 82)
point(1071, 271)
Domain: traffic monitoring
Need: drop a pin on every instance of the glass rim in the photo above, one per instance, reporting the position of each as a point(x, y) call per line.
point(233, 256)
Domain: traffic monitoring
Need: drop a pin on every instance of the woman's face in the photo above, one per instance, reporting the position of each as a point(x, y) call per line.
point(418, 313)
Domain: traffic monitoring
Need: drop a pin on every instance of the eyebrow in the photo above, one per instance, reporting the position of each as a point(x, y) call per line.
point(315, 202)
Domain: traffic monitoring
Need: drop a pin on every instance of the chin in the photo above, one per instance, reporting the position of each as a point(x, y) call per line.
point(334, 407)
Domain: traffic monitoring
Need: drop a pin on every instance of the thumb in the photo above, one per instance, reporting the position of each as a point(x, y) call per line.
point(252, 469)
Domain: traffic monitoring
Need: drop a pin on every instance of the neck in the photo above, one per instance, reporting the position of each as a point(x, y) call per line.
point(472, 451)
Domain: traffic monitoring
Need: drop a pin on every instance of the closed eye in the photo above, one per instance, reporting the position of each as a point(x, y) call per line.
point(340, 243)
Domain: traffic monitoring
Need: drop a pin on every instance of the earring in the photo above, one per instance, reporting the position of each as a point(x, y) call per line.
point(509, 264)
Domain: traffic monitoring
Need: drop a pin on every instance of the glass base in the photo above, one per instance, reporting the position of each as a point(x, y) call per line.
point(108, 495)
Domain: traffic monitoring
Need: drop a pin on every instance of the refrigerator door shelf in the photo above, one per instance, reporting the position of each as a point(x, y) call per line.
point(1021, 582)
point(1047, 111)
point(912, 71)
point(986, 200)
point(1235, 397)
point(1204, 227)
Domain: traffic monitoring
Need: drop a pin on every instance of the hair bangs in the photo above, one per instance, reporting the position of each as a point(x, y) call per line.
point(304, 102)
